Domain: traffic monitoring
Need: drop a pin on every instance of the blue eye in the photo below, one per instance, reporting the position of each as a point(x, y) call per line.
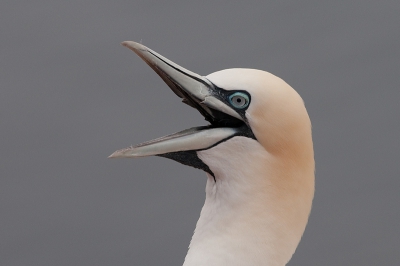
point(239, 100)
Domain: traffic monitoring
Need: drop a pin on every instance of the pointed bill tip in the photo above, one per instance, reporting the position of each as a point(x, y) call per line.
point(114, 155)
point(132, 152)
point(134, 46)
point(123, 153)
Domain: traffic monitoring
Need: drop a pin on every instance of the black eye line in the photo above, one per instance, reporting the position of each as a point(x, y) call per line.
point(223, 95)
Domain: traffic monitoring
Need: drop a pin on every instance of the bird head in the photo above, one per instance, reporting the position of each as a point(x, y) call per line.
point(236, 102)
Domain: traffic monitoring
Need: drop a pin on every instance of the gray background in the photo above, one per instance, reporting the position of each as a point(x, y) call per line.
point(70, 95)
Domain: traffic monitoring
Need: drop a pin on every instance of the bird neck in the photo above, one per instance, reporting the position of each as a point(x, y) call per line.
point(255, 210)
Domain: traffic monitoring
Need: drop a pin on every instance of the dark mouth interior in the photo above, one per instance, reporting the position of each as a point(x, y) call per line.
point(220, 119)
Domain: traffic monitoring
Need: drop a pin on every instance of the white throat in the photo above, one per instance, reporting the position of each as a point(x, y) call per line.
point(252, 213)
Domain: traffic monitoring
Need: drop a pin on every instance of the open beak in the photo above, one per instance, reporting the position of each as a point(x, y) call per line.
point(196, 91)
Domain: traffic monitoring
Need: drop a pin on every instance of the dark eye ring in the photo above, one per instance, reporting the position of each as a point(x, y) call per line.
point(239, 100)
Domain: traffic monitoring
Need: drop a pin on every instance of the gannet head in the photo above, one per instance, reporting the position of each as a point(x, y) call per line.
point(258, 155)
point(275, 114)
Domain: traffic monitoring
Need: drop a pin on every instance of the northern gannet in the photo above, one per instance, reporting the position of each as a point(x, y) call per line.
point(258, 156)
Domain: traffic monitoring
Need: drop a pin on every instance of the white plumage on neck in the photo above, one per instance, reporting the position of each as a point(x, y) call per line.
point(246, 220)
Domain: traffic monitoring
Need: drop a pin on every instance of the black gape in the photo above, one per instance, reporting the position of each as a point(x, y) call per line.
point(189, 158)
